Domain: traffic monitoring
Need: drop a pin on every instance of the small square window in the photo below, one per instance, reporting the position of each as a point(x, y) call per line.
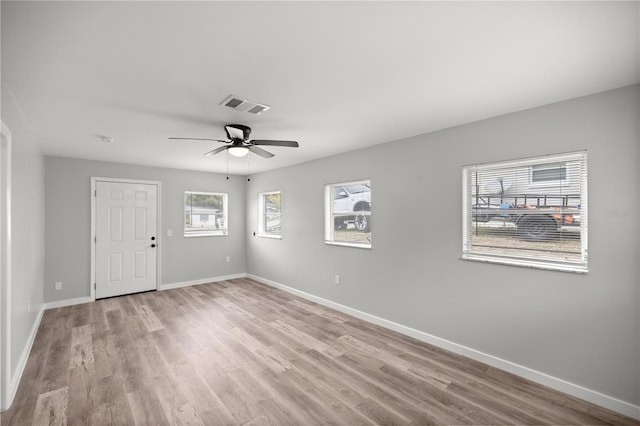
point(205, 214)
point(348, 214)
point(270, 214)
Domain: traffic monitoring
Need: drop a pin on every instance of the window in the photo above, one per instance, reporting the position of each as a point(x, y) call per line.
point(510, 218)
point(205, 214)
point(549, 173)
point(269, 214)
point(348, 214)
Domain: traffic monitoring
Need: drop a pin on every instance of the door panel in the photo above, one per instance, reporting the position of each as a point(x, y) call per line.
point(115, 268)
point(140, 224)
point(115, 224)
point(126, 220)
point(140, 264)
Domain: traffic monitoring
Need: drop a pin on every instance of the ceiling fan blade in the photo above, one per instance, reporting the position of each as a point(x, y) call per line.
point(200, 139)
point(292, 144)
point(261, 152)
point(215, 151)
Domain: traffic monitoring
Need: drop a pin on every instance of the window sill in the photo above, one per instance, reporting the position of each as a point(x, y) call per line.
point(345, 244)
point(206, 234)
point(528, 263)
point(273, 237)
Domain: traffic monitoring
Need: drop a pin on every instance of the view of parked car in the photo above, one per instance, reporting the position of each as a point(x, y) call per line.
point(352, 204)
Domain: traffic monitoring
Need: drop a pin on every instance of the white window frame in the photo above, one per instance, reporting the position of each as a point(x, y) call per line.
point(262, 231)
point(329, 226)
point(565, 266)
point(209, 233)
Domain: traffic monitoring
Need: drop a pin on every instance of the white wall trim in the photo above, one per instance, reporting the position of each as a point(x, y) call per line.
point(5, 275)
point(67, 302)
point(87, 299)
point(202, 281)
point(22, 362)
point(94, 182)
point(561, 385)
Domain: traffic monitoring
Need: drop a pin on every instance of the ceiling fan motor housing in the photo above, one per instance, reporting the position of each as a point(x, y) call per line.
point(237, 132)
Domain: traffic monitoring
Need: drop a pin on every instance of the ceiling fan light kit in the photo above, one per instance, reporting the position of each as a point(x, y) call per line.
point(239, 144)
point(238, 151)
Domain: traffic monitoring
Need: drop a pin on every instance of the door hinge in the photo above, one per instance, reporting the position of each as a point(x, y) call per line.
point(95, 192)
point(95, 240)
point(94, 286)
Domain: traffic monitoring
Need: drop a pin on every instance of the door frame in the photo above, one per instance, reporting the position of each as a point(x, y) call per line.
point(6, 373)
point(94, 224)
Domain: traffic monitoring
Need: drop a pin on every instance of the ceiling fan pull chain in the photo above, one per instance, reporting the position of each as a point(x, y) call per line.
point(248, 178)
point(227, 163)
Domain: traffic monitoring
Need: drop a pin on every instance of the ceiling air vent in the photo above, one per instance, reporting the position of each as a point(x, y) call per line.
point(244, 105)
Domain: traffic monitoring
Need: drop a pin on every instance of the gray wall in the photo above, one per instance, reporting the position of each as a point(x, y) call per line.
point(581, 328)
point(27, 229)
point(68, 224)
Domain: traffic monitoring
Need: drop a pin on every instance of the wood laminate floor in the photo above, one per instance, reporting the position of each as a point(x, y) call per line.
point(241, 353)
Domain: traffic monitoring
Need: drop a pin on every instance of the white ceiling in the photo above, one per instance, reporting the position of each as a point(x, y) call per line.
point(338, 75)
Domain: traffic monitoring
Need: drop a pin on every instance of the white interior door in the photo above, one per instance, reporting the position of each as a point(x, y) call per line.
point(126, 239)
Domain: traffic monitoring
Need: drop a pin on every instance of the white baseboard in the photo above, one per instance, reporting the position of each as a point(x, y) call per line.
point(202, 281)
point(22, 362)
point(561, 385)
point(67, 302)
point(79, 300)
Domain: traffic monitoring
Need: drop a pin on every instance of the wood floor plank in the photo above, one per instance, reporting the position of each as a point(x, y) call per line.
point(304, 340)
point(226, 389)
point(368, 386)
point(301, 408)
point(51, 408)
point(195, 389)
point(186, 415)
point(241, 353)
point(81, 394)
point(110, 402)
point(328, 383)
point(149, 319)
point(146, 408)
point(81, 346)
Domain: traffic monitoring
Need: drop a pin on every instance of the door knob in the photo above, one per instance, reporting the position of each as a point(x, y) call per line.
point(153, 245)
point(153, 238)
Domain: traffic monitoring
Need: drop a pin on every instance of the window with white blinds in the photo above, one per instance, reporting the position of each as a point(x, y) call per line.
point(530, 212)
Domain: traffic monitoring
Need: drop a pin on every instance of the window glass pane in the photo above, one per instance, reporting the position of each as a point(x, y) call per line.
point(510, 220)
point(348, 211)
point(549, 172)
point(270, 214)
point(205, 214)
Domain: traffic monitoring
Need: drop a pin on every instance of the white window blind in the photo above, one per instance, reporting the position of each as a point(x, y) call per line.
point(530, 212)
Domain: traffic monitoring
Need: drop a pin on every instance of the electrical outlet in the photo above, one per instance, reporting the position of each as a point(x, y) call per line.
point(58, 285)
point(337, 279)
point(169, 232)
point(228, 259)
